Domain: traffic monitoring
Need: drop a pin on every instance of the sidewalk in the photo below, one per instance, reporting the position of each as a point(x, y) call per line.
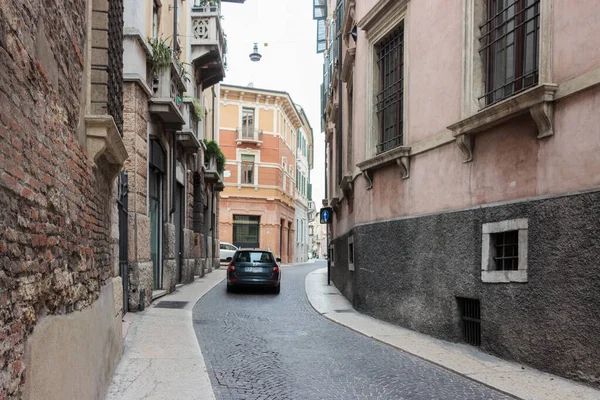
point(162, 358)
point(508, 377)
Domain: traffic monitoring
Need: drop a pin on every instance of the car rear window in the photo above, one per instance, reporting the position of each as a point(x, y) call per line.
point(253, 256)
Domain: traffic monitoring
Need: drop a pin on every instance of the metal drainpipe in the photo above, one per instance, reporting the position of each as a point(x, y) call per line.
point(213, 112)
point(174, 151)
point(175, 42)
point(174, 174)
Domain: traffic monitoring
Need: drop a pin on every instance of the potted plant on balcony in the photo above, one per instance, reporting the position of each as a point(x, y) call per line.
point(160, 58)
point(213, 150)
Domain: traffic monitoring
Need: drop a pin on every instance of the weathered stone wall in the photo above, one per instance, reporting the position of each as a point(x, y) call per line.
point(409, 272)
point(55, 228)
point(135, 136)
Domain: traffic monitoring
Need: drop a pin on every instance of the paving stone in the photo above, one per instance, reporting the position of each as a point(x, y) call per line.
point(258, 345)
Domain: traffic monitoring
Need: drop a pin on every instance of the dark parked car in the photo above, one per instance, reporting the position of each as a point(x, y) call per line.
point(253, 268)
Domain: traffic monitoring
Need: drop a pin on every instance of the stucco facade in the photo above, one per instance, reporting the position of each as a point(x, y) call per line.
point(258, 132)
point(462, 161)
point(304, 206)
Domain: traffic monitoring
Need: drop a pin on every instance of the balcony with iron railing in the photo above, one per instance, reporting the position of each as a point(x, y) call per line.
point(209, 45)
point(168, 88)
point(249, 136)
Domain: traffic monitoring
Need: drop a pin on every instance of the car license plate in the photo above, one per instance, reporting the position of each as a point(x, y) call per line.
point(254, 269)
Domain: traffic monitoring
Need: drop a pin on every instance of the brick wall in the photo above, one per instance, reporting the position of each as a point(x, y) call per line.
point(55, 246)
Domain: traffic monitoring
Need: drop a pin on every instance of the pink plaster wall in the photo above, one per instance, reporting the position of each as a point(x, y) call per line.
point(575, 38)
point(509, 163)
point(433, 40)
point(570, 160)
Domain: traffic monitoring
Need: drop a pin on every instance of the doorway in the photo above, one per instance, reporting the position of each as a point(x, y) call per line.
point(179, 224)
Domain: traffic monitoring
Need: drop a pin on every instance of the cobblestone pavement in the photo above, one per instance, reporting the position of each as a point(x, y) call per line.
point(263, 346)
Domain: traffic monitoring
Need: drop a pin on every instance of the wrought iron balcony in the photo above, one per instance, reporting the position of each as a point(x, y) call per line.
point(167, 101)
point(249, 136)
point(209, 46)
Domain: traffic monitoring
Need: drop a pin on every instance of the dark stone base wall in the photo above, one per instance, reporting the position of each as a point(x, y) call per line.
point(410, 271)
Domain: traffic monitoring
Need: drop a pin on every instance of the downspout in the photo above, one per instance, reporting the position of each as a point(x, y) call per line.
point(174, 151)
point(173, 174)
point(214, 95)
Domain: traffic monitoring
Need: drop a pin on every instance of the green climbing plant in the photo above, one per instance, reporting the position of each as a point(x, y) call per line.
point(213, 150)
point(198, 109)
point(161, 55)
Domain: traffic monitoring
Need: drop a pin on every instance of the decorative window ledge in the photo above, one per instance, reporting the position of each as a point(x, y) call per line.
point(332, 110)
point(348, 67)
point(103, 139)
point(347, 186)
point(329, 132)
point(335, 203)
point(399, 155)
point(537, 101)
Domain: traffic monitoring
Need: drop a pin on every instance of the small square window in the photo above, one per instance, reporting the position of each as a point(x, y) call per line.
point(351, 253)
point(504, 251)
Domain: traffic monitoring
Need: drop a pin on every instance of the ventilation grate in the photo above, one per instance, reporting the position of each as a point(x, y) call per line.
point(470, 315)
point(171, 304)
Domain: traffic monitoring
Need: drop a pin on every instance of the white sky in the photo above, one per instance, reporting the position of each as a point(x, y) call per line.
point(289, 63)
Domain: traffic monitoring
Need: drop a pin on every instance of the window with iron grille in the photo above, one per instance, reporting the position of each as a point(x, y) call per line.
point(247, 122)
point(246, 231)
point(390, 98)
point(470, 316)
point(509, 47)
point(247, 168)
point(506, 246)
point(115, 62)
point(504, 251)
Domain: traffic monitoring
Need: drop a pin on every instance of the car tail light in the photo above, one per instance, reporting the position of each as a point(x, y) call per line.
point(231, 267)
point(275, 268)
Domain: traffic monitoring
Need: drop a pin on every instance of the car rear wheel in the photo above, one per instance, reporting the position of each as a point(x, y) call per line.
point(276, 289)
point(229, 289)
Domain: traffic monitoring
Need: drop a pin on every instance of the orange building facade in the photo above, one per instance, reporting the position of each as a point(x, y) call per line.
point(258, 131)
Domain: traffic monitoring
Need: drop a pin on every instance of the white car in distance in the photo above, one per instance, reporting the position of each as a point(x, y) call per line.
point(226, 250)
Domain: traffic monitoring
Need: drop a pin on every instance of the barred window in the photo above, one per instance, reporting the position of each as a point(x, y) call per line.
point(246, 231)
point(390, 99)
point(509, 47)
point(506, 246)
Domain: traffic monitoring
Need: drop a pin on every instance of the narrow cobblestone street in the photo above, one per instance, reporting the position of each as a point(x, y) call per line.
point(263, 346)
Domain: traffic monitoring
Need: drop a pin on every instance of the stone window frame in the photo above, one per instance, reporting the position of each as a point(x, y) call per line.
point(332, 254)
point(238, 157)
point(378, 23)
point(537, 100)
point(351, 254)
point(489, 274)
point(100, 134)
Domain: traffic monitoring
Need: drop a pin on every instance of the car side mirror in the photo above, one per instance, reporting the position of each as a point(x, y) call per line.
point(278, 259)
point(228, 259)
